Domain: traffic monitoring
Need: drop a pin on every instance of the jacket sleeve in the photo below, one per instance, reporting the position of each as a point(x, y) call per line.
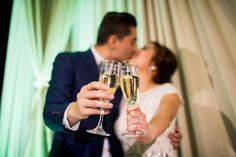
point(59, 94)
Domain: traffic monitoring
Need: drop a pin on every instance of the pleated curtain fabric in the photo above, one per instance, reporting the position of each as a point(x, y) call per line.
point(202, 33)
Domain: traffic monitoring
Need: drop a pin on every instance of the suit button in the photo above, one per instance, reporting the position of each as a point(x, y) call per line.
point(55, 113)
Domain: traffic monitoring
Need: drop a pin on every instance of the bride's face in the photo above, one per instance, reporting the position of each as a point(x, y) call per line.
point(143, 57)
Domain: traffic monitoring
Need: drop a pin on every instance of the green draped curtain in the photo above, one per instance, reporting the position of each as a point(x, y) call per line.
point(39, 30)
point(202, 33)
point(88, 15)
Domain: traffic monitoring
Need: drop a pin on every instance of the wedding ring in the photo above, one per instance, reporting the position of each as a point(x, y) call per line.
point(139, 119)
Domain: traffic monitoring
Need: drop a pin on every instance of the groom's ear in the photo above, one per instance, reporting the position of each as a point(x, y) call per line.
point(112, 41)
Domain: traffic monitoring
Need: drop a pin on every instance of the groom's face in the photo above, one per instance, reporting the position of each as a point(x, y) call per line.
point(126, 46)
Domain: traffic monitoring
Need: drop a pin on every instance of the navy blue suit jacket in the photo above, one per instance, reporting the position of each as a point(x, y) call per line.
point(70, 72)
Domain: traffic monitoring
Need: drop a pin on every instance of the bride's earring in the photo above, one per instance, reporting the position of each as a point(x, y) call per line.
point(152, 68)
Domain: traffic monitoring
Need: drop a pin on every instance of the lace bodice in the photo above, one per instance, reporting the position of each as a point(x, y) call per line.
point(149, 102)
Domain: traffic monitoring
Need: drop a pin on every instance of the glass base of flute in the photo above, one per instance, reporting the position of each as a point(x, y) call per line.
point(98, 130)
point(133, 134)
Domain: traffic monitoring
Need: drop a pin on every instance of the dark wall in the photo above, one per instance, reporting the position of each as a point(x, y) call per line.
point(5, 15)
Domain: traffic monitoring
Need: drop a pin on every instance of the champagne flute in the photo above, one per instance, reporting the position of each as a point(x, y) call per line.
point(129, 83)
point(109, 75)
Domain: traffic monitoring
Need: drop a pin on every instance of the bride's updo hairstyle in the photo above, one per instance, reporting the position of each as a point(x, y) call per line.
point(165, 62)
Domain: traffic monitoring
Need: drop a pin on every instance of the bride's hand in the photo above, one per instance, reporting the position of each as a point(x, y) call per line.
point(136, 120)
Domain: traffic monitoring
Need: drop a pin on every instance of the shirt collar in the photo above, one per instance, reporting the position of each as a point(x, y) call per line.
point(97, 56)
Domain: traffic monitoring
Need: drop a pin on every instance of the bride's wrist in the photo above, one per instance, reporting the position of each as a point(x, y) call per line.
point(145, 138)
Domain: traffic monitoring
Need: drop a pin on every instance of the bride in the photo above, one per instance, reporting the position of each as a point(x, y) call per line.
point(157, 105)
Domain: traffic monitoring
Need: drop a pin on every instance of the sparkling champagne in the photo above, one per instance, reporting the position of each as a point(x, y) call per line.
point(129, 86)
point(111, 80)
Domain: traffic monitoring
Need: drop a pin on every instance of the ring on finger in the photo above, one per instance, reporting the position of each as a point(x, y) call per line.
point(139, 119)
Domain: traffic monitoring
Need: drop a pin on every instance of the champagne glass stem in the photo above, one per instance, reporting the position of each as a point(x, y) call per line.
point(99, 128)
point(130, 104)
point(101, 118)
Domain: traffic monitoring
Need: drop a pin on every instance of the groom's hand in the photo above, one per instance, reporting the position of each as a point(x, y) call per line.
point(175, 137)
point(89, 102)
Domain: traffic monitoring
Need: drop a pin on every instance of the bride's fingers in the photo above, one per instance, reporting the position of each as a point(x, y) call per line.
point(134, 120)
point(132, 108)
point(136, 116)
point(136, 127)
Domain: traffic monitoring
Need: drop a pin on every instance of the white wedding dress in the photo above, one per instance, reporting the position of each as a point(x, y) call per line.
point(149, 102)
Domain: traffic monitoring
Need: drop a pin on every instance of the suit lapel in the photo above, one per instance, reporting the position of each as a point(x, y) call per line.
point(91, 65)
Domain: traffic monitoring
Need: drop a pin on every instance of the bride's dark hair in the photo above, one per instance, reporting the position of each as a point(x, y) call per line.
point(165, 61)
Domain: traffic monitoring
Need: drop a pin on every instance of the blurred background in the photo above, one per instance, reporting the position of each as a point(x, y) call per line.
point(202, 33)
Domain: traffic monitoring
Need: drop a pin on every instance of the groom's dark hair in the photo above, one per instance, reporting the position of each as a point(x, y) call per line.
point(115, 23)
